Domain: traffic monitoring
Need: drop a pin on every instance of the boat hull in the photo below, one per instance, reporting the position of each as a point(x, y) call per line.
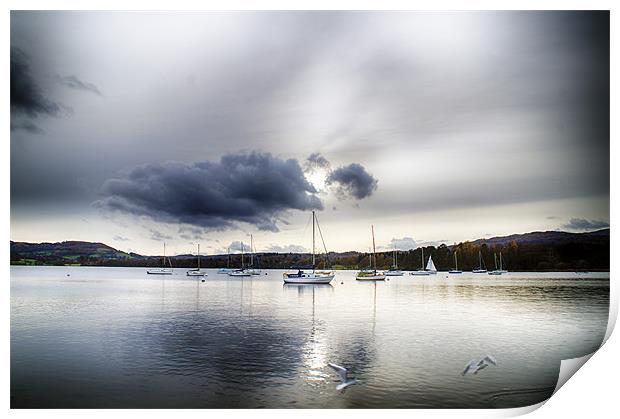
point(196, 273)
point(394, 273)
point(240, 274)
point(308, 279)
point(370, 278)
point(455, 272)
point(159, 272)
point(479, 271)
point(420, 273)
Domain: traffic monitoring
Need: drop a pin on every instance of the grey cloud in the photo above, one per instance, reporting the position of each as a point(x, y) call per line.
point(158, 236)
point(583, 224)
point(26, 95)
point(120, 238)
point(74, 83)
point(316, 161)
point(353, 180)
point(289, 248)
point(27, 126)
point(254, 188)
point(191, 233)
point(237, 246)
point(404, 243)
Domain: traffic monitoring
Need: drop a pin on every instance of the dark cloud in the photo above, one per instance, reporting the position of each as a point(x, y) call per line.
point(316, 161)
point(583, 224)
point(27, 126)
point(353, 180)
point(74, 83)
point(254, 188)
point(26, 95)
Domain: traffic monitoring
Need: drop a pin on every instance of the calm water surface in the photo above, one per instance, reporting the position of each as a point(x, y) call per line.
point(115, 337)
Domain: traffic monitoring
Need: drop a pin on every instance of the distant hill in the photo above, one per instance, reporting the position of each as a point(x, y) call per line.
point(536, 251)
point(548, 237)
point(71, 252)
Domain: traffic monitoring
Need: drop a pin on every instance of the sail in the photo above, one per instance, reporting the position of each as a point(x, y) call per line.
point(430, 266)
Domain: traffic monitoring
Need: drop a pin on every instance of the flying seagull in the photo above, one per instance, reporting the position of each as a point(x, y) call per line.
point(342, 372)
point(476, 365)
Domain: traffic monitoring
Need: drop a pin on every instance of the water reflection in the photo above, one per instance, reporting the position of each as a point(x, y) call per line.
point(121, 340)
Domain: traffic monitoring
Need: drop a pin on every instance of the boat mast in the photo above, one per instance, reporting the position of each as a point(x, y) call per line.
point(456, 262)
point(495, 260)
point(395, 259)
point(198, 256)
point(372, 227)
point(228, 258)
point(479, 259)
point(422, 258)
point(500, 261)
point(313, 223)
point(251, 250)
point(241, 255)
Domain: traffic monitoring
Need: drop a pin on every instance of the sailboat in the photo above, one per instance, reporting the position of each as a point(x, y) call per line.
point(481, 269)
point(251, 269)
point(394, 271)
point(430, 266)
point(227, 269)
point(197, 271)
point(500, 270)
point(242, 271)
point(314, 277)
point(371, 275)
point(422, 271)
point(163, 270)
point(456, 266)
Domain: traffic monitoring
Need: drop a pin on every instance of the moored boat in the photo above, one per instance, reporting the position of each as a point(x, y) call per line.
point(163, 270)
point(456, 266)
point(371, 274)
point(394, 271)
point(197, 271)
point(313, 276)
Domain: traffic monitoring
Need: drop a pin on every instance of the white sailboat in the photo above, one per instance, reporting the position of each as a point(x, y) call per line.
point(422, 271)
point(164, 270)
point(251, 269)
point(430, 266)
point(314, 277)
point(197, 271)
point(394, 271)
point(500, 270)
point(481, 269)
point(371, 275)
point(242, 271)
point(456, 266)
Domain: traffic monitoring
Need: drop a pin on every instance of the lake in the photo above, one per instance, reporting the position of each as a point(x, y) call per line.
point(118, 338)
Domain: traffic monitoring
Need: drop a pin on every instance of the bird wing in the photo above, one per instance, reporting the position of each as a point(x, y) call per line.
point(490, 359)
point(345, 384)
point(341, 371)
point(468, 367)
point(481, 367)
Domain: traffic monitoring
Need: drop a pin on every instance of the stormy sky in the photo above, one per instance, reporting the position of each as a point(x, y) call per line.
point(134, 128)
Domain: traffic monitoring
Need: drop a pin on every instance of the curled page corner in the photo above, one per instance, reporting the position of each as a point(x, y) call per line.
point(568, 367)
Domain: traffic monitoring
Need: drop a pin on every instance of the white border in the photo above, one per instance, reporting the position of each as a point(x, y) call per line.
point(593, 393)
